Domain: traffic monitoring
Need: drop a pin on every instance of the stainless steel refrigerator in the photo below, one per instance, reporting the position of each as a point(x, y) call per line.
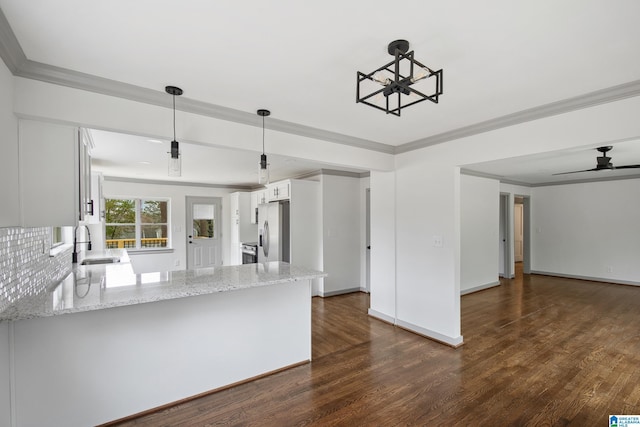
point(273, 232)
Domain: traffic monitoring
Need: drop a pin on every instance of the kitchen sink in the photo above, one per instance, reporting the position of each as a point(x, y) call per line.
point(93, 261)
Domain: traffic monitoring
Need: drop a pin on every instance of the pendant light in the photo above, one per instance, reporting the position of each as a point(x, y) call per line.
point(175, 160)
point(263, 170)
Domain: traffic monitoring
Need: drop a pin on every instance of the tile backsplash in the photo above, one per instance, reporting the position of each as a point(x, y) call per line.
point(25, 265)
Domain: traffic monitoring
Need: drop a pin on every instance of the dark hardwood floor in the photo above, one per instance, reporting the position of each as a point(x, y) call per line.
point(538, 351)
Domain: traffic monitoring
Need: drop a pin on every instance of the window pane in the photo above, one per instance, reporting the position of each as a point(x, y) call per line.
point(120, 211)
point(154, 236)
point(153, 211)
point(203, 229)
point(120, 236)
point(203, 221)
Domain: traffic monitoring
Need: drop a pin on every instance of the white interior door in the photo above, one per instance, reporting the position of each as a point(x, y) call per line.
point(204, 232)
point(518, 232)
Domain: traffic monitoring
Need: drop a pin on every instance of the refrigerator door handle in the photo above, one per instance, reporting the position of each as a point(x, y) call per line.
point(266, 239)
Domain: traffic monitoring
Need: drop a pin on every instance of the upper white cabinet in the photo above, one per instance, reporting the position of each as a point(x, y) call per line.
point(258, 197)
point(55, 174)
point(279, 190)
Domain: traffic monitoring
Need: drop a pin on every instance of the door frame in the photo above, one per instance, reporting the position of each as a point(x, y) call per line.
point(505, 227)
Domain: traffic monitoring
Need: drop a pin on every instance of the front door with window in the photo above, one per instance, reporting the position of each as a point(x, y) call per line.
point(204, 237)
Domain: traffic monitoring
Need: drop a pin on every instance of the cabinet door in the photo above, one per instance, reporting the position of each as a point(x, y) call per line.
point(253, 208)
point(49, 174)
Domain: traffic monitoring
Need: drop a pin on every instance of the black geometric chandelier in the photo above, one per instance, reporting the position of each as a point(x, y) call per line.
point(404, 82)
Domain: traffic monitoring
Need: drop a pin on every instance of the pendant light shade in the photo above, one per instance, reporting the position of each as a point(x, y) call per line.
point(175, 159)
point(263, 167)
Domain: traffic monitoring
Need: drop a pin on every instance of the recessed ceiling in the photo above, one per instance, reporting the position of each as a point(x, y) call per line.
point(300, 59)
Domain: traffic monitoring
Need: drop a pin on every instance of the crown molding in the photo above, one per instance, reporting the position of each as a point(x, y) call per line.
point(10, 50)
point(602, 96)
point(586, 180)
point(176, 183)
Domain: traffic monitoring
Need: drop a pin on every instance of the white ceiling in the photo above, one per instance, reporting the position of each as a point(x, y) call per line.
point(540, 168)
point(130, 156)
point(299, 59)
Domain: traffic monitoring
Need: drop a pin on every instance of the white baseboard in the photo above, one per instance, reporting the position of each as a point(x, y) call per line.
point(382, 316)
point(591, 279)
point(444, 339)
point(339, 292)
point(435, 336)
point(479, 288)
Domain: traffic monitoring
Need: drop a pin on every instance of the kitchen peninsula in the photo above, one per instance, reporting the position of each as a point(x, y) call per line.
point(107, 343)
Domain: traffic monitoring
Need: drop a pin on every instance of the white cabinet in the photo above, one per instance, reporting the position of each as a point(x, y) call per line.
point(96, 212)
point(55, 174)
point(258, 197)
point(242, 229)
point(279, 190)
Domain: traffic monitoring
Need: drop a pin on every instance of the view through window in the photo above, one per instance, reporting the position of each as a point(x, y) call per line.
point(136, 223)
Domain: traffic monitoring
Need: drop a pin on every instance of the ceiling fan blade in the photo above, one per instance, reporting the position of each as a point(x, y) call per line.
point(586, 170)
point(627, 167)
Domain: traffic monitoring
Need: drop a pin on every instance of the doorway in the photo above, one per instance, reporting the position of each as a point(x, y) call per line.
point(204, 232)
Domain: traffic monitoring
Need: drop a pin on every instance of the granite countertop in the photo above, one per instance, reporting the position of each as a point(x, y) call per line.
point(102, 286)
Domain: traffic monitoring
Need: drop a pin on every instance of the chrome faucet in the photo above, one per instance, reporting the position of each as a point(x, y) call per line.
point(74, 258)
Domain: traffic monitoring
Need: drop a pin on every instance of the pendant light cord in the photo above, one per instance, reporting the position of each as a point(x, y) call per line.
point(174, 117)
point(262, 134)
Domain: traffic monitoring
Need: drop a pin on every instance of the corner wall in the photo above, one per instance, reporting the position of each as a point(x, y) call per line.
point(479, 233)
point(341, 219)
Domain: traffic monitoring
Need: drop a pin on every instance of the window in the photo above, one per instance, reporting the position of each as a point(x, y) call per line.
point(136, 223)
point(56, 236)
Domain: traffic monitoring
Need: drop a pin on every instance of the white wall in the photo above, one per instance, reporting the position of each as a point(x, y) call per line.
point(428, 204)
point(479, 233)
point(588, 230)
point(9, 198)
point(177, 193)
point(341, 218)
point(383, 246)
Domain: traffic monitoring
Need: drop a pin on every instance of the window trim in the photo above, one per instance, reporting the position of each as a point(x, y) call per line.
point(139, 224)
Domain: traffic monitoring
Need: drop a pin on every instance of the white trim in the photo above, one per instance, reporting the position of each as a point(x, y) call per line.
point(603, 280)
point(339, 292)
point(445, 339)
point(479, 288)
point(381, 316)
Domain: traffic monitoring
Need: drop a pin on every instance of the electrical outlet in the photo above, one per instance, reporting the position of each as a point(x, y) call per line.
point(176, 263)
point(438, 242)
point(609, 269)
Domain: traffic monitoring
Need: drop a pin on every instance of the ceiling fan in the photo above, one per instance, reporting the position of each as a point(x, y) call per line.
point(603, 162)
